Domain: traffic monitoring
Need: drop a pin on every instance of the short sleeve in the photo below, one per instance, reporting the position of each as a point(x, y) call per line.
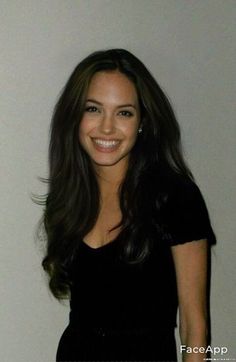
point(185, 214)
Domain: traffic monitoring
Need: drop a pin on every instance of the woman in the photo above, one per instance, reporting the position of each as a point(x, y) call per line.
point(127, 227)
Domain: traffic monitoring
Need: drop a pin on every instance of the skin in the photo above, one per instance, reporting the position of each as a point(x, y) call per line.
point(111, 113)
point(190, 261)
point(108, 117)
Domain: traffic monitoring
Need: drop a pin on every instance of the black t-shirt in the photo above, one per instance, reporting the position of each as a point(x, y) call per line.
point(107, 292)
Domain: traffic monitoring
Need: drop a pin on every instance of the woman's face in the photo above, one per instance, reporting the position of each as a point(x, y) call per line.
point(109, 126)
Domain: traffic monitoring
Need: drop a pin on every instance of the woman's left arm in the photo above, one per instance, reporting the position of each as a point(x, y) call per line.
point(190, 261)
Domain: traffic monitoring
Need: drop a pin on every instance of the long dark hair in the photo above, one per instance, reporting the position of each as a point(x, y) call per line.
point(72, 202)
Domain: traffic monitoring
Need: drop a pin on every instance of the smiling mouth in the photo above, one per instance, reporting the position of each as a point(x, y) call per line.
point(102, 144)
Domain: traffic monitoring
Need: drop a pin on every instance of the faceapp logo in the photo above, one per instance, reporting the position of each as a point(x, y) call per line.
point(217, 352)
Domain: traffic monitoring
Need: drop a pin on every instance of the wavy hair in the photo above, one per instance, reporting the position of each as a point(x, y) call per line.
point(72, 202)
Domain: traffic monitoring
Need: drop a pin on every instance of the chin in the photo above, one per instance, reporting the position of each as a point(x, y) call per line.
point(105, 163)
point(111, 162)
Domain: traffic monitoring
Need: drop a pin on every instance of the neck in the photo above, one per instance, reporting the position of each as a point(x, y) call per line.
point(109, 179)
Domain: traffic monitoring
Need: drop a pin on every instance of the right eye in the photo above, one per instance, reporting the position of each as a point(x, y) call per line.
point(91, 109)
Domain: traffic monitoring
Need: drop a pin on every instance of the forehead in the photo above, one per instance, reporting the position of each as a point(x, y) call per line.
point(112, 84)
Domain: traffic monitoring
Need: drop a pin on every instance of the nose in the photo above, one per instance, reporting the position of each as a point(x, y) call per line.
point(107, 125)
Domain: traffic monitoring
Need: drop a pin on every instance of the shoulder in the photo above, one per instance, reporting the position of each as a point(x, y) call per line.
point(182, 192)
point(185, 212)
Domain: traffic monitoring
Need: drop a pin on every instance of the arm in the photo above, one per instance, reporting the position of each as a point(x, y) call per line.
point(190, 261)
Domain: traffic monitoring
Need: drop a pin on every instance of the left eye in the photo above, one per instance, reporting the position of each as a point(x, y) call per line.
point(126, 113)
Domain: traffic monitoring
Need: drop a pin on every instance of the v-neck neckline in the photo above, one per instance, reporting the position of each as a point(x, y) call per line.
point(99, 248)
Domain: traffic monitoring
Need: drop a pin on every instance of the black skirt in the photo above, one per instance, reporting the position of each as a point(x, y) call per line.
point(105, 344)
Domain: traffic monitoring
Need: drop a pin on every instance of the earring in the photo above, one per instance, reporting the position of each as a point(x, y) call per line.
point(140, 130)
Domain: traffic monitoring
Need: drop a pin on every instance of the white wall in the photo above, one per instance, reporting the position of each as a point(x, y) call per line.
point(189, 47)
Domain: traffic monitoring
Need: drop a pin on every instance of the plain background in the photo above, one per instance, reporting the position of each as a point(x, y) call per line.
point(189, 46)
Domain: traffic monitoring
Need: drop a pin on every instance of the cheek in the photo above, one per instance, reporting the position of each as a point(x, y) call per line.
point(84, 129)
point(88, 124)
point(83, 125)
point(82, 133)
point(131, 131)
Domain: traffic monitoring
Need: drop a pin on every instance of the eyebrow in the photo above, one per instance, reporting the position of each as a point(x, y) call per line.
point(121, 106)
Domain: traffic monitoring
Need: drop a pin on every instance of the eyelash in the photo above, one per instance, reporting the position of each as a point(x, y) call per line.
point(126, 113)
point(93, 109)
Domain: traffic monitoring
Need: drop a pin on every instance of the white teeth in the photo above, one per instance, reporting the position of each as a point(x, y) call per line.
point(104, 143)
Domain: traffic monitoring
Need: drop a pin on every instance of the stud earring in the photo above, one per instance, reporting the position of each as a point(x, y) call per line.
point(140, 130)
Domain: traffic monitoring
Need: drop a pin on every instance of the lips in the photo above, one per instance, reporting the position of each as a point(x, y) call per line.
point(106, 145)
